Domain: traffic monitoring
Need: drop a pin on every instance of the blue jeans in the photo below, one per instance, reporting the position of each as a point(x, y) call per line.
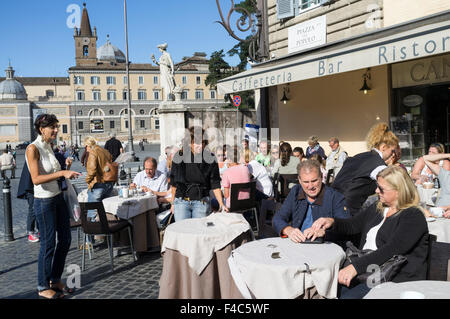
point(184, 209)
point(31, 218)
point(98, 192)
point(355, 291)
point(54, 223)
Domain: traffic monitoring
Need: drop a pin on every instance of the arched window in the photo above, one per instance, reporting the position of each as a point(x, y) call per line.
point(86, 51)
point(96, 119)
point(124, 124)
point(154, 119)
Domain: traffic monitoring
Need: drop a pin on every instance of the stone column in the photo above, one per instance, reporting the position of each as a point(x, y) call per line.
point(172, 123)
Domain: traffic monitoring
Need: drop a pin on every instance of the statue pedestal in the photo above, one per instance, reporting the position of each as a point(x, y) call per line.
point(171, 123)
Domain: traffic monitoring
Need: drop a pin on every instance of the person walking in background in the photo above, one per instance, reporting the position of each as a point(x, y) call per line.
point(76, 152)
point(50, 208)
point(314, 147)
point(26, 191)
point(114, 146)
point(7, 162)
point(357, 177)
point(84, 157)
point(98, 188)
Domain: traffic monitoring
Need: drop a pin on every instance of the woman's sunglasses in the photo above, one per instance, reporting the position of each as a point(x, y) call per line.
point(382, 190)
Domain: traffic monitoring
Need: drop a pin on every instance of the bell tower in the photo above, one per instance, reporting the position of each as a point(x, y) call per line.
point(85, 42)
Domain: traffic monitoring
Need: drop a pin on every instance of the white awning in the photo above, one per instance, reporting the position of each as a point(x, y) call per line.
point(407, 41)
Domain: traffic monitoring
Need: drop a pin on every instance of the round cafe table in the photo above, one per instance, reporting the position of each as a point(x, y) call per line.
point(428, 288)
point(195, 253)
point(140, 210)
point(275, 268)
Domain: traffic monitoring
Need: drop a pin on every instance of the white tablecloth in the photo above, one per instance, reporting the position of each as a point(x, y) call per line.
point(198, 242)
point(428, 196)
point(300, 266)
point(430, 289)
point(83, 195)
point(441, 228)
point(127, 208)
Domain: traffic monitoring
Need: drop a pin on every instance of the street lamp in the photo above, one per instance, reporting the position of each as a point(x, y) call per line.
point(130, 124)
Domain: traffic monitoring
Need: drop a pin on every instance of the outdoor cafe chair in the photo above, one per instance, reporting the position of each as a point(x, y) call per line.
point(103, 227)
point(283, 181)
point(438, 259)
point(243, 205)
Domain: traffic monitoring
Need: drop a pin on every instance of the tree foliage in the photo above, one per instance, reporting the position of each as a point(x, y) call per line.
point(220, 69)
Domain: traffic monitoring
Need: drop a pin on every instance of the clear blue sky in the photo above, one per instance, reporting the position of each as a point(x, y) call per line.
point(36, 38)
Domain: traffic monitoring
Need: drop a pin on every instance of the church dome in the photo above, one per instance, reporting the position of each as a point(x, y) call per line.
point(11, 89)
point(110, 53)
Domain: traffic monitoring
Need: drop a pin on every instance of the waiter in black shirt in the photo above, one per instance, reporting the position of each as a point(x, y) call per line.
point(357, 178)
point(114, 146)
point(194, 173)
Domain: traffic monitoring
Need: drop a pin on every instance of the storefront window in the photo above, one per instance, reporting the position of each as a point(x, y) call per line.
point(420, 116)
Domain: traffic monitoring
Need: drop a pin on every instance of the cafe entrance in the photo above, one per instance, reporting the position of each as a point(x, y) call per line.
point(420, 116)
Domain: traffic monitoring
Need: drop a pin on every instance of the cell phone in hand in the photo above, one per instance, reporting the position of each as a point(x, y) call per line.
point(318, 240)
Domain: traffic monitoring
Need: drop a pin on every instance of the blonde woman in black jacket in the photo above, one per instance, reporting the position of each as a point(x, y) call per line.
point(395, 225)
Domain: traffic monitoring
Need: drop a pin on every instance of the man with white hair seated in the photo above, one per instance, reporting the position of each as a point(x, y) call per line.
point(150, 179)
point(114, 146)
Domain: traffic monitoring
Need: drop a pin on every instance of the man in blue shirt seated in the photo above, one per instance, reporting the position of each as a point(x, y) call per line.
point(307, 202)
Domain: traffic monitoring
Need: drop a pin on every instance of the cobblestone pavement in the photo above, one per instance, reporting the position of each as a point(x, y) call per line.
point(18, 259)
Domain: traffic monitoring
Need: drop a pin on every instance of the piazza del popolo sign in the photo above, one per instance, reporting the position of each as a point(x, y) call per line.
point(413, 44)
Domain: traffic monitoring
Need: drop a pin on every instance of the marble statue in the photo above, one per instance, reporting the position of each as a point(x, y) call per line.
point(167, 72)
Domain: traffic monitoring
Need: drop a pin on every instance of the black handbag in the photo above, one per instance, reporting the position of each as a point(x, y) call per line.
point(388, 269)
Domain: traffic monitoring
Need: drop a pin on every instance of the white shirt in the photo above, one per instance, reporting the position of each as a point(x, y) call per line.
point(372, 234)
point(6, 159)
point(47, 164)
point(378, 169)
point(340, 162)
point(263, 182)
point(158, 183)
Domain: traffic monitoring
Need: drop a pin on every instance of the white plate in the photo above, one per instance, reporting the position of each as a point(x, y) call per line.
point(431, 219)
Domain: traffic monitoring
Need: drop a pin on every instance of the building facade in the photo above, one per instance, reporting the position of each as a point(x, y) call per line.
point(323, 53)
point(93, 99)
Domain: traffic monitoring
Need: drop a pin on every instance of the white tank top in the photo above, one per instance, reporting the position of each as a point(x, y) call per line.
point(47, 164)
point(425, 169)
point(372, 234)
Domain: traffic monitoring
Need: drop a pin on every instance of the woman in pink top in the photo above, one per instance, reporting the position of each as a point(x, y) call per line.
point(235, 174)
